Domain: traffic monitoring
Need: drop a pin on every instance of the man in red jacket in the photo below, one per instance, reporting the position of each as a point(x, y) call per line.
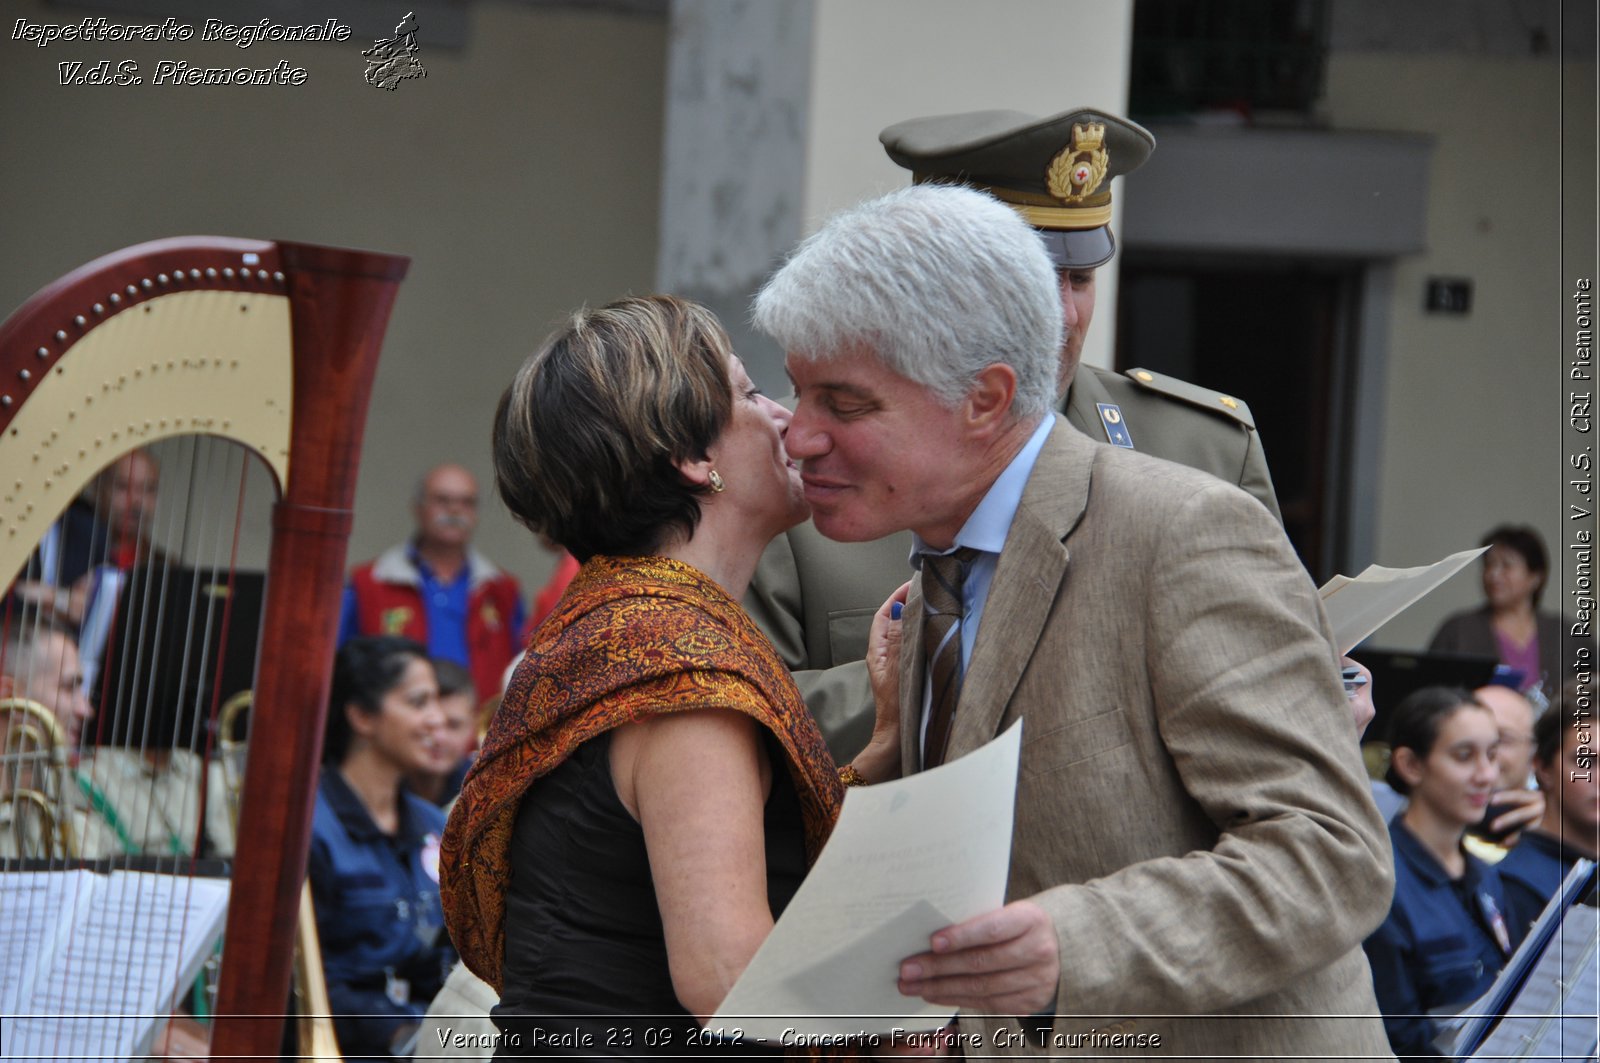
point(437, 589)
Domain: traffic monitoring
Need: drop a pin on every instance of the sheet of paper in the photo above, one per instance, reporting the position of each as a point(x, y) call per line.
point(36, 918)
point(906, 858)
point(111, 962)
point(1358, 607)
point(1537, 983)
point(1554, 1015)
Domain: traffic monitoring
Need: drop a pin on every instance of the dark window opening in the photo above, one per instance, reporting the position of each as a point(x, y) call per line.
point(1250, 57)
point(1277, 334)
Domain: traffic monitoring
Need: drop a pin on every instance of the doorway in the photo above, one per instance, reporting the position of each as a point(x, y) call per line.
point(1278, 333)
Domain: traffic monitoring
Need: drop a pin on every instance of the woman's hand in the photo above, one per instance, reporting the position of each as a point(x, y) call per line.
point(881, 759)
point(60, 603)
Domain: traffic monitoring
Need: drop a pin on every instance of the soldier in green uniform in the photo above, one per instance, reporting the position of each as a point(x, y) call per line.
point(814, 597)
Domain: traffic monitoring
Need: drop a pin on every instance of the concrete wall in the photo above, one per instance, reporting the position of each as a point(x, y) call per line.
point(738, 87)
point(1471, 416)
point(521, 175)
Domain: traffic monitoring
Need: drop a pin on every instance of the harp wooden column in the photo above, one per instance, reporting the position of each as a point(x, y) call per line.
point(339, 305)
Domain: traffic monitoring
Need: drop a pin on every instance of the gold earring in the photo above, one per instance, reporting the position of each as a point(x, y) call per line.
point(717, 486)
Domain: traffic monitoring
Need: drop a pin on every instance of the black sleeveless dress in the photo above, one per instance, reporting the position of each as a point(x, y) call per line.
point(586, 959)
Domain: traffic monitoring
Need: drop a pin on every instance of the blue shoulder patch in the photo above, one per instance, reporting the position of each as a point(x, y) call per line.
point(1116, 428)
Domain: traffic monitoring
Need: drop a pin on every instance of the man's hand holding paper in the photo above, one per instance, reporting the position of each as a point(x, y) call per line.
point(1005, 962)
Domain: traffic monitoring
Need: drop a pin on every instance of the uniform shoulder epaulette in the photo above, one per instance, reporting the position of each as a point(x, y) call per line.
point(1193, 395)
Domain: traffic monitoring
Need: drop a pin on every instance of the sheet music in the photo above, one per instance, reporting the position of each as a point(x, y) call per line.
point(1358, 607)
point(1466, 1034)
point(101, 971)
point(1554, 1016)
point(906, 858)
point(35, 915)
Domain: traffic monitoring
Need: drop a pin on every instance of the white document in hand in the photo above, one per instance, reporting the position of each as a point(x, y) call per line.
point(1358, 607)
point(906, 858)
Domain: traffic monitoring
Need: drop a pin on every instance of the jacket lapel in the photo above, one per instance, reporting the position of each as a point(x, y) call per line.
point(1026, 583)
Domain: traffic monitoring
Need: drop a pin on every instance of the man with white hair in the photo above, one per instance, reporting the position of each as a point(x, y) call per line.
point(438, 590)
point(815, 598)
point(1193, 835)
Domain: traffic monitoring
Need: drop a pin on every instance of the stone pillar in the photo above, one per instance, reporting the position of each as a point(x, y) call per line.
point(738, 96)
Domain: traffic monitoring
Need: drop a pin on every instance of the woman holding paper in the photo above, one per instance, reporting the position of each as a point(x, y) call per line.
point(1446, 935)
point(652, 788)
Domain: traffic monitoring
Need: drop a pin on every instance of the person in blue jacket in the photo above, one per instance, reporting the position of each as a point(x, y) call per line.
point(1563, 761)
point(1446, 935)
point(374, 865)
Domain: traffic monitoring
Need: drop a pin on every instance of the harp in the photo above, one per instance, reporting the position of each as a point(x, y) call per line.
point(270, 347)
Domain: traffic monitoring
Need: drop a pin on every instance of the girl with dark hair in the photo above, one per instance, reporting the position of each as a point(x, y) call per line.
point(375, 848)
point(1510, 626)
point(1446, 935)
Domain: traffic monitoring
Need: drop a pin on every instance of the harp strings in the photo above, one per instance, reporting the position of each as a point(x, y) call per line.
point(147, 719)
point(161, 700)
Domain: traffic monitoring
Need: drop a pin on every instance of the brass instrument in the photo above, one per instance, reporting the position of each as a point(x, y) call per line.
point(39, 780)
point(232, 746)
point(1375, 755)
point(314, 1027)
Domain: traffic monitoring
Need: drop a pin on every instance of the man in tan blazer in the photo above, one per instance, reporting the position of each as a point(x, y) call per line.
point(815, 598)
point(1196, 858)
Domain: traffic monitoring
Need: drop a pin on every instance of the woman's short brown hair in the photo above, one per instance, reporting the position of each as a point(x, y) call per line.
point(587, 437)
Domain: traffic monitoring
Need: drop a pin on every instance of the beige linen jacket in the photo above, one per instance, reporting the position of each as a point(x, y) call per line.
point(1191, 807)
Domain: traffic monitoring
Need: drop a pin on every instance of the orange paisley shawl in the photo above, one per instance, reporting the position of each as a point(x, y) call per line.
point(633, 637)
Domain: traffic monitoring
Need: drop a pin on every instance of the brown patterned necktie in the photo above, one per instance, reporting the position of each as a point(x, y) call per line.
point(942, 576)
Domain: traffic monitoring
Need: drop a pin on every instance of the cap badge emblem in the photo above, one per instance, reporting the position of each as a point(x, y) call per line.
point(1077, 170)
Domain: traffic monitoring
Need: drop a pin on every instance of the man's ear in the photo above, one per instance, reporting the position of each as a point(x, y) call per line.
point(987, 406)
